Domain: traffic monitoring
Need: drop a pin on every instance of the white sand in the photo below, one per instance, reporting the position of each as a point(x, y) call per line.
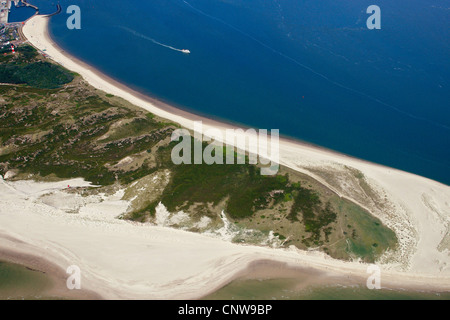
point(120, 259)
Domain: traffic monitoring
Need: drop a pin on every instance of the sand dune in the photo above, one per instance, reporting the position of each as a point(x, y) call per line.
point(124, 260)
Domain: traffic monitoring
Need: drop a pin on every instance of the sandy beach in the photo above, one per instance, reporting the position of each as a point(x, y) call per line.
point(120, 259)
point(124, 260)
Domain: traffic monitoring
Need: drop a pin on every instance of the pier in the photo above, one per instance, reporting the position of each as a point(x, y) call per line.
point(25, 3)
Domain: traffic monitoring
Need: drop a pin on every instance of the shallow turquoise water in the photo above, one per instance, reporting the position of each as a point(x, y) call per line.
point(18, 282)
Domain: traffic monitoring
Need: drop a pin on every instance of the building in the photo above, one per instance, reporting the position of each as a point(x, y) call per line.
point(5, 5)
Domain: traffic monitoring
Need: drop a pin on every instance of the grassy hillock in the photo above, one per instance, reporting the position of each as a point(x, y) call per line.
point(26, 68)
point(56, 132)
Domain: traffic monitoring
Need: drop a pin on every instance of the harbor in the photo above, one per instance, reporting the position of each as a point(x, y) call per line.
point(13, 14)
point(5, 9)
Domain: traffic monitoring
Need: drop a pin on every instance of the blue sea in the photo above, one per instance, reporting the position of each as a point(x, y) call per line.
point(309, 68)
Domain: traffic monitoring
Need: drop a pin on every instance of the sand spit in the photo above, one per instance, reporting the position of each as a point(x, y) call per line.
point(120, 259)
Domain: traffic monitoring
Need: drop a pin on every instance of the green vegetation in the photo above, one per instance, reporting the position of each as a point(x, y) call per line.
point(367, 237)
point(136, 127)
point(244, 188)
point(26, 68)
point(57, 135)
point(316, 217)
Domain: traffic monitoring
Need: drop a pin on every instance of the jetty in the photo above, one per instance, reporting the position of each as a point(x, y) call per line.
point(58, 11)
point(25, 3)
point(5, 7)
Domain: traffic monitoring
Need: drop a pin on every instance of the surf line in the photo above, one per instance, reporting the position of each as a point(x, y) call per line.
point(186, 51)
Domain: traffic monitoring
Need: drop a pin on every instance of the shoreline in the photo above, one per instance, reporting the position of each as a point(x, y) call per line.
point(310, 279)
point(263, 268)
point(421, 210)
point(126, 260)
point(177, 114)
point(264, 265)
point(52, 272)
point(183, 116)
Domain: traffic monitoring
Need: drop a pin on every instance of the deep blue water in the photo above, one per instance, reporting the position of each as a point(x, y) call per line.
point(310, 68)
point(19, 14)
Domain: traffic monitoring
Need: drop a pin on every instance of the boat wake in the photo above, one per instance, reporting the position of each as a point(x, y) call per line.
point(137, 34)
